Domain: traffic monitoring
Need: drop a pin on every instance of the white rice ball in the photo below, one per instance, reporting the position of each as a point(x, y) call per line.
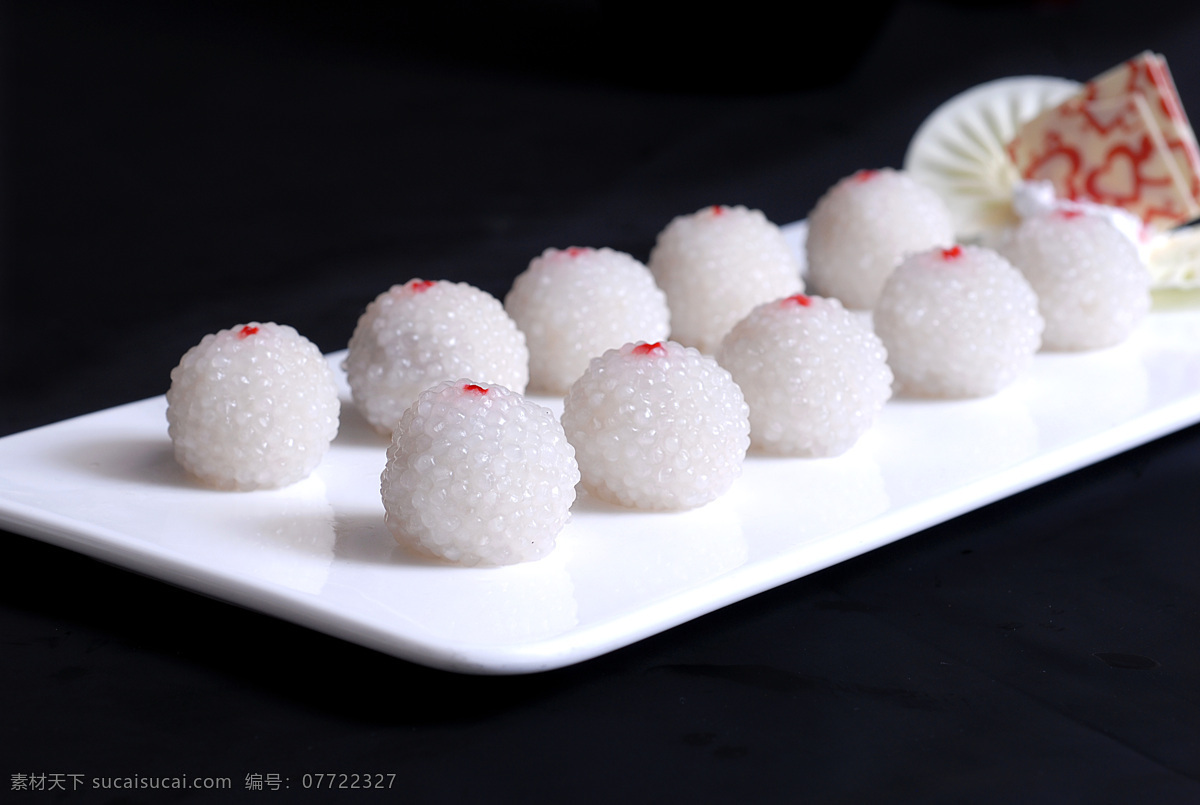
point(1092, 286)
point(814, 375)
point(958, 322)
point(573, 304)
point(478, 475)
point(715, 266)
point(657, 426)
point(864, 226)
point(252, 407)
point(420, 333)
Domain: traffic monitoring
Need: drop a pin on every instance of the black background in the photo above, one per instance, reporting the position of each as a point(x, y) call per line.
point(174, 168)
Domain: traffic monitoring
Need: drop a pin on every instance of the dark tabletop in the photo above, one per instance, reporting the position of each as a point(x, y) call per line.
point(174, 168)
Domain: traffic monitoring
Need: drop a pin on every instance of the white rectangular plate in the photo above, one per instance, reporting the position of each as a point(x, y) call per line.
point(318, 553)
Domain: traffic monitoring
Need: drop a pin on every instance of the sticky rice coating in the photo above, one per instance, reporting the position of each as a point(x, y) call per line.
point(573, 304)
point(814, 375)
point(1092, 286)
point(421, 333)
point(657, 426)
point(252, 407)
point(715, 265)
point(478, 475)
point(958, 322)
point(864, 226)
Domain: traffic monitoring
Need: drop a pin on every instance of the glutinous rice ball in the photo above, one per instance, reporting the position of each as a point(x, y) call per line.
point(421, 333)
point(1092, 286)
point(715, 265)
point(813, 373)
point(573, 304)
point(657, 426)
point(478, 474)
point(252, 407)
point(864, 226)
point(957, 322)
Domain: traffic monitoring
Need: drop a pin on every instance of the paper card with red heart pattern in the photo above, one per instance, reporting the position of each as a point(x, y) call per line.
point(1149, 75)
point(1123, 140)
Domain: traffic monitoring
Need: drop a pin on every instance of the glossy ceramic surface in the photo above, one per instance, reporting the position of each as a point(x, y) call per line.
point(318, 554)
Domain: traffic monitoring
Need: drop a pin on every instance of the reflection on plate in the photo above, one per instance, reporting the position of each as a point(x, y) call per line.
point(318, 554)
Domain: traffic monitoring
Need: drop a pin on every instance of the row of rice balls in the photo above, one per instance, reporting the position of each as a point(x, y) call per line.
point(964, 321)
point(478, 474)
